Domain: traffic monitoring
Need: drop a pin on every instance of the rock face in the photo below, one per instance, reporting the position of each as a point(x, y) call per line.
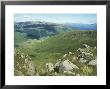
point(93, 62)
point(65, 65)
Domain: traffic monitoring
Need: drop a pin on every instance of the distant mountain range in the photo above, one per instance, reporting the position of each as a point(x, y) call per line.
point(82, 26)
point(38, 29)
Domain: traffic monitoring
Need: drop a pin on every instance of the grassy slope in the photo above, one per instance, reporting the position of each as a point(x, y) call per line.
point(51, 49)
point(19, 38)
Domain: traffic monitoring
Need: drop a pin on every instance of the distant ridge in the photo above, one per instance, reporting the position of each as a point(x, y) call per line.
point(83, 26)
point(38, 29)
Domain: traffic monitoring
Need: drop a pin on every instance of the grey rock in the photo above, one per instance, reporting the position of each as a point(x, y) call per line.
point(66, 66)
point(77, 74)
point(69, 73)
point(82, 60)
point(93, 62)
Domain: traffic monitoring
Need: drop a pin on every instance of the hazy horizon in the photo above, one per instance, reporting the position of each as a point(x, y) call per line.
point(57, 18)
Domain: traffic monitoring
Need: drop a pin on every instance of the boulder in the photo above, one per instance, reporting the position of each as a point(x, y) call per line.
point(68, 73)
point(66, 65)
point(93, 62)
point(56, 66)
point(77, 74)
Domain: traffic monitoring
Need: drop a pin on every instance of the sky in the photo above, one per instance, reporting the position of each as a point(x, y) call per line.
point(57, 18)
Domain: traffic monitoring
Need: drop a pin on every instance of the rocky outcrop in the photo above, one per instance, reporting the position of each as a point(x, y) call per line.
point(23, 65)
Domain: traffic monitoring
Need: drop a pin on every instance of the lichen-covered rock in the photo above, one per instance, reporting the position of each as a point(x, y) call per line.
point(49, 67)
point(87, 53)
point(31, 68)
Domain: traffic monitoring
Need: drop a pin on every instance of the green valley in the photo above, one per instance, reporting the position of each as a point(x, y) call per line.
point(50, 49)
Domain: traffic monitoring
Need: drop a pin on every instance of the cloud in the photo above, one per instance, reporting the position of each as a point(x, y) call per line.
point(26, 16)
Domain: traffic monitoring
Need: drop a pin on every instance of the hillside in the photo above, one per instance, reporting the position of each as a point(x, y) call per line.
point(63, 42)
point(37, 29)
point(52, 48)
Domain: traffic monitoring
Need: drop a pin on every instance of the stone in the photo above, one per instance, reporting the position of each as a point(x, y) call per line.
point(75, 58)
point(49, 67)
point(31, 68)
point(70, 53)
point(64, 56)
point(93, 62)
point(66, 66)
point(82, 60)
point(87, 46)
point(77, 74)
point(69, 72)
